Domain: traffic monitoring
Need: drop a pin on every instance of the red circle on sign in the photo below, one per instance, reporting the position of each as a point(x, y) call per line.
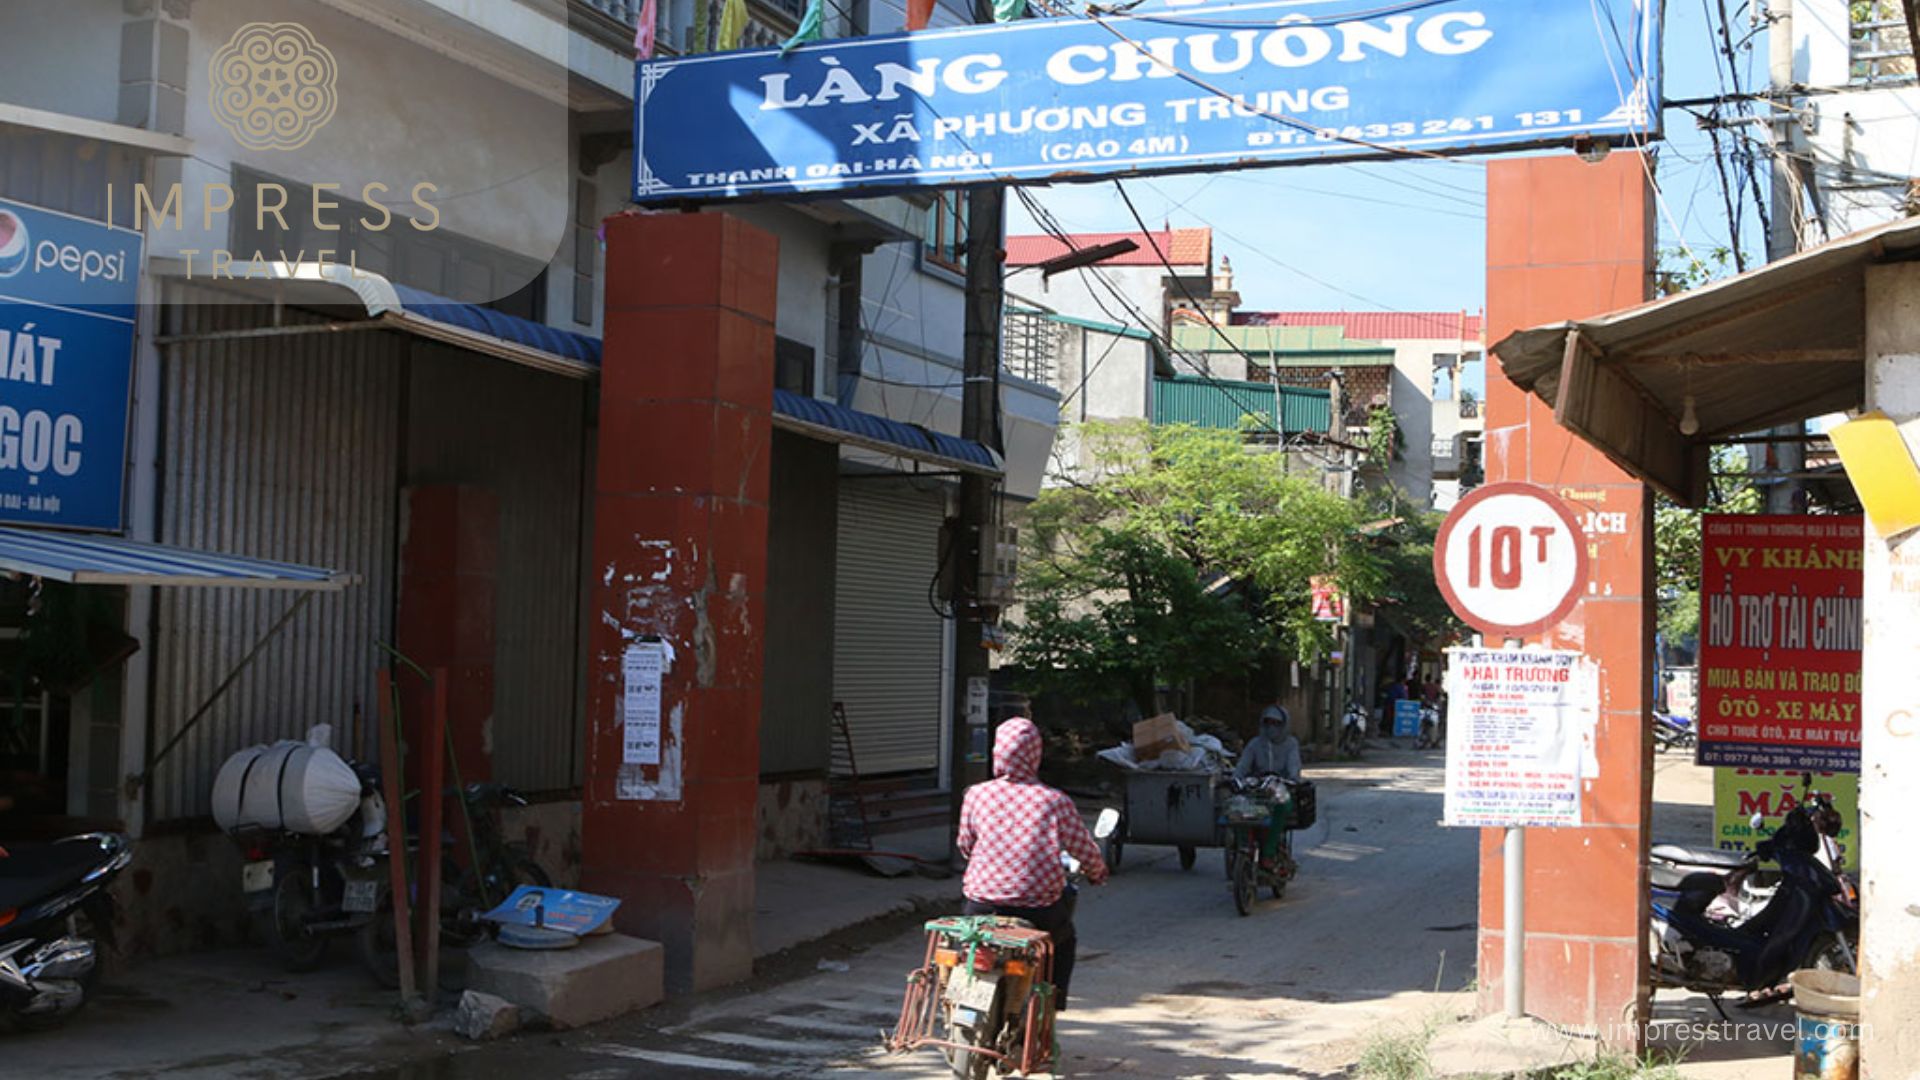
point(1561, 608)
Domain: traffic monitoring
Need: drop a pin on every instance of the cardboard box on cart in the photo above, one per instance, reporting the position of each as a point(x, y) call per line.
point(1156, 736)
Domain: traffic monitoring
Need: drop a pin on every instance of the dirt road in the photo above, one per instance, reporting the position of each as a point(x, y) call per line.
point(1172, 982)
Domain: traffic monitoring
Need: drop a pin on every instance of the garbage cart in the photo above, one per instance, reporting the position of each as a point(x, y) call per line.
point(1174, 808)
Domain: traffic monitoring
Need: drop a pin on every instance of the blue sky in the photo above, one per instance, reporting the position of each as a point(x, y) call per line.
point(1406, 235)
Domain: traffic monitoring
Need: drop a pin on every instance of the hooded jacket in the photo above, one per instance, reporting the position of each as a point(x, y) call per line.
point(1013, 828)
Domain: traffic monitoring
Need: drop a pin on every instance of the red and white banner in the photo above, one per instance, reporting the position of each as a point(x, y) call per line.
point(1780, 627)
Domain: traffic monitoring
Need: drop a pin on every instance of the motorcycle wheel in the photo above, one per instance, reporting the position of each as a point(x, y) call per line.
point(511, 869)
point(965, 1064)
point(293, 900)
point(1826, 954)
point(1187, 857)
point(375, 944)
point(1246, 883)
point(1114, 847)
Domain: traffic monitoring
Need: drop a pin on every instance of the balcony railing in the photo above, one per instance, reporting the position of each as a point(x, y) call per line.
point(1882, 45)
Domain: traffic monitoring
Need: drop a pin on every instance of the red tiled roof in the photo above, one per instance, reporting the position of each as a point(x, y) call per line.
point(1182, 248)
point(1376, 325)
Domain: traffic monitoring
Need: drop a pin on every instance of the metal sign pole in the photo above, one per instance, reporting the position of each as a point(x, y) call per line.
point(1515, 976)
point(1514, 871)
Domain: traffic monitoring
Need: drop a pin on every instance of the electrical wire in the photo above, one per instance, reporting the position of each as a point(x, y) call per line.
point(1045, 219)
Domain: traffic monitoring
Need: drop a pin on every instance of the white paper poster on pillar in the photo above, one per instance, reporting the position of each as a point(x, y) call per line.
point(1522, 741)
point(650, 732)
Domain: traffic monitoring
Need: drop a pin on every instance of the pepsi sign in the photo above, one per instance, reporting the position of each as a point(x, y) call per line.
point(69, 290)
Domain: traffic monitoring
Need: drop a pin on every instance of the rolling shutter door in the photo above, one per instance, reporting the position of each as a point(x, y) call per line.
point(887, 639)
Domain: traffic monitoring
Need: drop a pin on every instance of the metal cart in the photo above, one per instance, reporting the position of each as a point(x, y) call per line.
point(1174, 808)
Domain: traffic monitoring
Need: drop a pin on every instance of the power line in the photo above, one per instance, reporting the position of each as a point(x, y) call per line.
point(1045, 219)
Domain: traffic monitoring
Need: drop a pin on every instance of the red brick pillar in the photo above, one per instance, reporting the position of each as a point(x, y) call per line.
point(680, 557)
point(1566, 240)
point(449, 574)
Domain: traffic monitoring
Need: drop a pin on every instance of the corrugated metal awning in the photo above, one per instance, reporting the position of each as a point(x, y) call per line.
point(484, 330)
point(110, 560)
point(836, 423)
point(1782, 343)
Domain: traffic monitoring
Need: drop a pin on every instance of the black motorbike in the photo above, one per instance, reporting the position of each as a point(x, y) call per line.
point(309, 890)
point(54, 903)
point(1809, 921)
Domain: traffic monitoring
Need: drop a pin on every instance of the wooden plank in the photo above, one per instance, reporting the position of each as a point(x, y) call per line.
point(392, 787)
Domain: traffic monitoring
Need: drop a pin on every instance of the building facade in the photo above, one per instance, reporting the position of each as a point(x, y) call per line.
point(358, 340)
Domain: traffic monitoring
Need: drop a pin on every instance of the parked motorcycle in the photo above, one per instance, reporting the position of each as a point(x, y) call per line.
point(1809, 921)
point(1353, 731)
point(308, 890)
point(465, 894)
point(1673, 733)
point(1433, 729)
point(986, 983)
point(1749, 887)
point(55, 905)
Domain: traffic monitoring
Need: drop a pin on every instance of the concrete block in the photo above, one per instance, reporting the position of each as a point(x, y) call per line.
point(605, 976)
point(482, 1016)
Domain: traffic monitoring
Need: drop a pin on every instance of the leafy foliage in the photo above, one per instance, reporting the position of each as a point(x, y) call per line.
point(1383, 436)
point(1677, 272)
point(1676, 543)
point(1185, 555)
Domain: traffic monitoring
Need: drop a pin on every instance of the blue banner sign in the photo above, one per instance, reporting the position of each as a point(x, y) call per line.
point(1171, 89)
point(1406, 719)
point(68, 292)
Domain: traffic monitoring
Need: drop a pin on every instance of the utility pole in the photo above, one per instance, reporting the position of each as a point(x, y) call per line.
point(973, 537)
point(1785, 494)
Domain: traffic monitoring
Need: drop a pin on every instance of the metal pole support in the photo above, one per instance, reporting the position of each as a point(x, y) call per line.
point(1514, 979)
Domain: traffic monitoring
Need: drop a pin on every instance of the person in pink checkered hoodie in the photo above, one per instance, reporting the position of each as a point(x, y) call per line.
point(1013, 830)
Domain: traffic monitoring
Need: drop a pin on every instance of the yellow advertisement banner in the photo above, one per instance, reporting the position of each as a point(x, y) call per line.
point(1738, 794)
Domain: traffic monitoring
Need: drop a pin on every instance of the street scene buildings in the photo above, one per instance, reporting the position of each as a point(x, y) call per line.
point(537, 536)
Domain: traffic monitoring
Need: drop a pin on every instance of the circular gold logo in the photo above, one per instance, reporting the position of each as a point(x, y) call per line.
point(273, 86)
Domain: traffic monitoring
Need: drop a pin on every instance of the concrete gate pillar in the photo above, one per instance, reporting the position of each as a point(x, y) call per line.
point(680, 557)
point(1890, 708)
point(1567, 239)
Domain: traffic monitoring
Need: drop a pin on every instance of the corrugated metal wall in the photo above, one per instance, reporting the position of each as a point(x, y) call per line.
point(519, 432)
point(887, 637)
point(282, 448)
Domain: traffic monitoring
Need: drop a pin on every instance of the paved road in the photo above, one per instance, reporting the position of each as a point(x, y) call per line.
point(1171, 983)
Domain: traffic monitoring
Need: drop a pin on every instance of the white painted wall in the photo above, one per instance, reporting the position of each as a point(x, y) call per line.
point(1078, 293)
point(1890, 723)
point(1871, 130)
point(62, 56)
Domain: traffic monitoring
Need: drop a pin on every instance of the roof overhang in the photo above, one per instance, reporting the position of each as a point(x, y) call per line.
point(368, 301)
point(370, 297)
point(54, 123)
point(1780, 344)
point(111, 560)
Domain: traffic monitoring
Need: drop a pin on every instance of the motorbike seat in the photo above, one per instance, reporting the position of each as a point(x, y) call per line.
point(29, 875)
point(1699, 856)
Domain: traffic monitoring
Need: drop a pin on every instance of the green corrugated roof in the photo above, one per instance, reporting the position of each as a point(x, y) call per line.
point(1227, 404)
point(1284, 345)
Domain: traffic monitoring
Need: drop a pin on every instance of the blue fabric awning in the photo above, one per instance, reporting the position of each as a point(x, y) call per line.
point(837, 423)
point(110, 560)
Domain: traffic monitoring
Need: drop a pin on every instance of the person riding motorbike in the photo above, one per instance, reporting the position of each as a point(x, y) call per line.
point(1274, 752)
point(1013, 830)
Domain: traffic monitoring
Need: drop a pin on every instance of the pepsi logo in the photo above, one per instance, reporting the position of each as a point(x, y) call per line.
point(14, 244)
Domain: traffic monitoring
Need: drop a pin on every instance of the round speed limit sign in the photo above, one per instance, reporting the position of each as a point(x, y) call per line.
point(1511, 559)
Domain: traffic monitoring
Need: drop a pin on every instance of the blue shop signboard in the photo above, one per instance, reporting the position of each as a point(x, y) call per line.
point(68, 290)
point(1162, 88)
point(1406, 719)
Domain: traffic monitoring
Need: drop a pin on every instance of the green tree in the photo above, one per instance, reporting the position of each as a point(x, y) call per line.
point(1186, 555)
point(1676, 543)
